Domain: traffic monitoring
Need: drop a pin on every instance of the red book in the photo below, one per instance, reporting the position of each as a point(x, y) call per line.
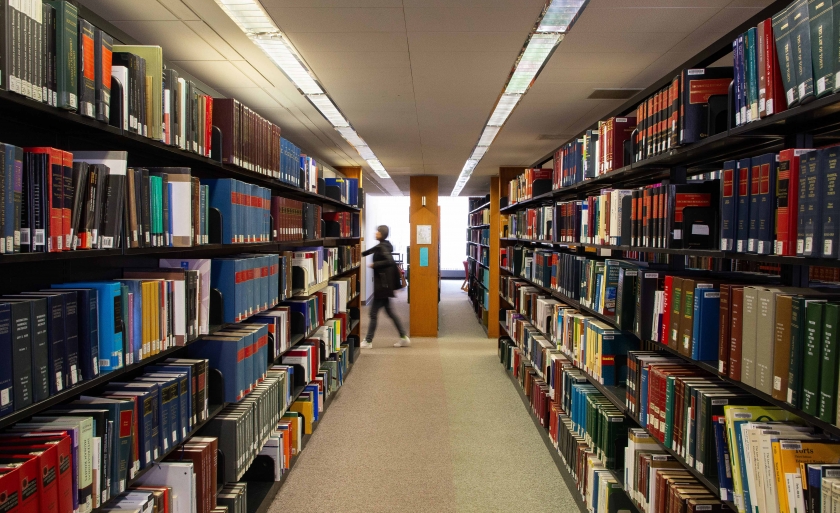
point(736, 303)
point(28, 471)
point(208, 125)
point(67, 207)
point(666, 310)
point(55, 179)
point(787, 201)
point(47, 459)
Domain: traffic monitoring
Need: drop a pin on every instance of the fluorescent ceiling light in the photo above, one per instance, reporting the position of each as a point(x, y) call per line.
point(253, 20)
point(478, 152)
point(488, 135)
point(249, 15)
point(351, 136)
point(531, 62)
point(503, 109)
point(365, 152)
point(554, 21)
point(281, 53)
point(323, 103)
point(559, 15)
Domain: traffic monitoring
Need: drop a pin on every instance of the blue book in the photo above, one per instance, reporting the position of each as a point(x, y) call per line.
point(742, 78)
point(815, 473)
point(743, 224)
point(145, 408)
point(7, 395)
point(88, 323)
point(643, 396)
point(223, 276)
point(729, 206)
point(755, 180)
point(170, 402)
point(223, 197)
point(704, 343)
point(110, 322)
point(724, 463)
point(151, 394)
point(817, 164)
point(314, 390)
point(830, 202)
point(188, 406)
point(59, 376)
point(195, 406)
point(135, 287)
point(121, 414)
point(227, 355)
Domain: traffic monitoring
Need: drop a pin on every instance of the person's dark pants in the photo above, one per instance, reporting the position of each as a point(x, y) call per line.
point(374, 313)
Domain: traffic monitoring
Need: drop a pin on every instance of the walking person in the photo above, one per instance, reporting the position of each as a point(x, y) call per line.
point(386, 279)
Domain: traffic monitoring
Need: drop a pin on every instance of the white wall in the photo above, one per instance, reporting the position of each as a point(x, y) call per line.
point(391, 211)
point(453, 232)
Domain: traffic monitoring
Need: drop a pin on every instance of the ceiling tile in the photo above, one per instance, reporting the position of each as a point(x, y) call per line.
point(474, 19)
point(113, 10)
point(180, 9)
point(467, 42)
point(361, 61)
point(599, 21)
point(213, 39)
point(320, 20)
point(222, 74)
point(307, 42)
point(178, 41)
point(273, 4)
point(619, 42)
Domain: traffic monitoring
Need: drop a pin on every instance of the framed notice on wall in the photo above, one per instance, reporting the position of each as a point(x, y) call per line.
point(424, 234)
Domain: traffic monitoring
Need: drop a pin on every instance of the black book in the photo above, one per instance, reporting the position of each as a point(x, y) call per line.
point(26, 207)
point(40, 351)
point(80, 183)
point(21, 354)
point(696, 195)
point(146, 206)
point(647, 283)
point(170, 78)
point(129, 62)
point(112, 224)
point(103, 44)
point(141, 96)
point(87, 313)
point(87, 69)
point(64, 308)
point(87, 221)
point(625, 299)
point(101, 172)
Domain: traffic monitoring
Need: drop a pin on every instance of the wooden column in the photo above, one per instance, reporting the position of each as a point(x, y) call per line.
point(424, 280)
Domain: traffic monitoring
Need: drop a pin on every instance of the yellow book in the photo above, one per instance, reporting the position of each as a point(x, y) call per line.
point(147, 319)
point(306, 408)
point(294, 419)
point(155, 317)
point(791, 457)
point(735, 416)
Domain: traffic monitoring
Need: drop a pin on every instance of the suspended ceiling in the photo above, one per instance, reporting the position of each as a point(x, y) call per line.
point(419, 78)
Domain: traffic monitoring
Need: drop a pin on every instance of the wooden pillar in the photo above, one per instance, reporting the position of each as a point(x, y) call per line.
point(424, 280)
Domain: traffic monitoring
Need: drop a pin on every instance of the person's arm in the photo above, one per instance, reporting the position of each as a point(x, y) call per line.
point(370, 251)
point(386, 261)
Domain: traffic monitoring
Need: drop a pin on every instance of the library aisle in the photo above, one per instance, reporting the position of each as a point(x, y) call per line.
point(434, 427)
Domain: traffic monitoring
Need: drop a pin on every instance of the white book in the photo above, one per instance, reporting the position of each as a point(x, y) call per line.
point(180, 477)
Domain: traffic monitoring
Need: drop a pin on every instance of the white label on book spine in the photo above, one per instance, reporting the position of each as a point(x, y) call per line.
point(790, 95)
point(740, 246)
point(769, 108)
point(59, 383)
point(5, 396)
point(777, 383)
point(809, 244)
point(820, 85)
point(800, 246)
point(801, 90)
point(73, 375)
point(827, 247)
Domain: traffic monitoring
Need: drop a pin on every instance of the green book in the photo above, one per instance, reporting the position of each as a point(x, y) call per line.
point(66, 50)
point(797, 350)
point(800, 37)
point(750, 38)
point(813, 351)
point(828, 363)
point(823, 45)
point(784, 51)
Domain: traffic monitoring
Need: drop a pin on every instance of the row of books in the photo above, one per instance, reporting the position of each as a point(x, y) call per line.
point(58, 205)
point(295, 220)
point(341, 224)
point(147, 97)
point(478, 253)
point(480, 217)
point(481, 236)
point(154, 413)
point(473, 202)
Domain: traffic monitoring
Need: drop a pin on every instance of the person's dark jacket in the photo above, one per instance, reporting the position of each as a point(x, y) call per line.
point(382, 271)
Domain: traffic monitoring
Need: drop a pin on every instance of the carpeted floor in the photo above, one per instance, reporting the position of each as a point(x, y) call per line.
point(436, 427)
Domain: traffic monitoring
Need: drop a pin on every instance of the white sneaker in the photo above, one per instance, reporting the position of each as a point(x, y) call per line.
point(404, 342)
point(366, 345)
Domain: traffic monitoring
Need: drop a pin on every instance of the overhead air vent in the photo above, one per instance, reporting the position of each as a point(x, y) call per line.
point(612, 94)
